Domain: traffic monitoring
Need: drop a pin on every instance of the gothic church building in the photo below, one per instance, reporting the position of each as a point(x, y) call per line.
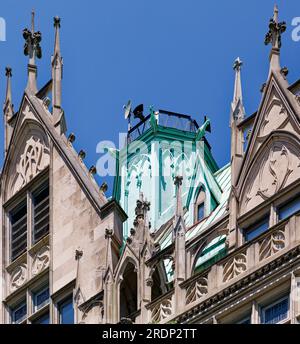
point(181, 240)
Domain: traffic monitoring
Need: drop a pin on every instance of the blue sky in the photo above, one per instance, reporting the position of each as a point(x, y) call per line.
point(172, 54)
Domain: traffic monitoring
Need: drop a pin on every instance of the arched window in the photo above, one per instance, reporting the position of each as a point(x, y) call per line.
point(128, 292)
point(200, 211)
point(210, 254)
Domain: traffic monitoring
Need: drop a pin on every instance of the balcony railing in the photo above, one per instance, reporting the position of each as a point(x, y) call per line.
point(165, 119)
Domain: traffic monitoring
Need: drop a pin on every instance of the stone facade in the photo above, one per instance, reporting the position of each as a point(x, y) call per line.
point(201, 244)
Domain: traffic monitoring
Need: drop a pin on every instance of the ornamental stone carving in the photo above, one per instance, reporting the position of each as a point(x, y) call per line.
point(272, 244)
point(196, 290)
point(41, 260)
point(33, 160)
point(278, 167)
point(235, 266)
point(18, 277)
point(275, 118)
point(162, 310)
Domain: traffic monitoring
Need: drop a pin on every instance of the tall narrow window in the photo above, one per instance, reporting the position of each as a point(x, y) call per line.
point(200, 205)
point(40, 298)
point(200, 212)
point(18, 220)
point(19, 313)
point(41, 213)
point(66, 311)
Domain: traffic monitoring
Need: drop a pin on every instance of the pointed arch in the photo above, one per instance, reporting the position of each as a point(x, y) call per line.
point(275, 165)
point(30, 158)
point(210, 250)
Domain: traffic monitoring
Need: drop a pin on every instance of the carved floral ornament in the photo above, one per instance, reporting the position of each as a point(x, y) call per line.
point(235, 266)
point(35, 157)
point(18, 277)
point(162, 310)
point(41, 260)
point(197, 290)
point(272, 244)
point(278, 167)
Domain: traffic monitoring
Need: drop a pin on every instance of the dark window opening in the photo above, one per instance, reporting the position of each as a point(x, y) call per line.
point(289, 208)
point(19, 313)
point(66, 311)
point(200, 212)
point(257, 229)
point(128, 292)
point(18, 219)
point(276, 313)
point(41, 213)
point(41, 298)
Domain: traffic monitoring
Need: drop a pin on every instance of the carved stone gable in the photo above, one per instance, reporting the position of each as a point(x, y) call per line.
point(276, 117)
point(33, 160)
point(277, 167)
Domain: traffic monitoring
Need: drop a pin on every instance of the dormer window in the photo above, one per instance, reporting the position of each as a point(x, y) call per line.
point(200, 213)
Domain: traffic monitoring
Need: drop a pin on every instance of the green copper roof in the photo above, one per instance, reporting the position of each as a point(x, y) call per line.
point(223, 178)
point(212, 250)
point(216, 249)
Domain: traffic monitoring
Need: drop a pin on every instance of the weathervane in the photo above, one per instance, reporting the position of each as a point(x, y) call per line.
point(32, 46)
point(275, 30)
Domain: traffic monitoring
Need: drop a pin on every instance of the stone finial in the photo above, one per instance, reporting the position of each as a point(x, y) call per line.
point(71, 138)
point(237, 64)
point(56, 22)
point(8, 72)
point(81, 154)
point(273, 36)
point(33, 39)
point(57, 74)
point(237, 94)
point(32, 48)
point(178, 180)
point(78, 254)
